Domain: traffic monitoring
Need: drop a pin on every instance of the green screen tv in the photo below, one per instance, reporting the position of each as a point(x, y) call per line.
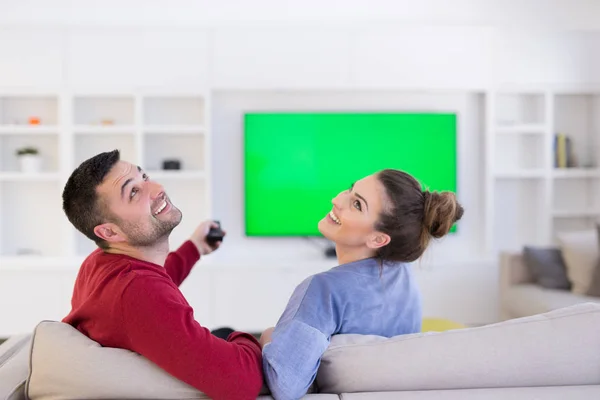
point(295, 163)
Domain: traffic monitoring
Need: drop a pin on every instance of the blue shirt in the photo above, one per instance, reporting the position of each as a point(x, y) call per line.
point(359, 297)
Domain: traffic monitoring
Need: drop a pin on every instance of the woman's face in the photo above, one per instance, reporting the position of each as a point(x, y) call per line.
point(351, 222)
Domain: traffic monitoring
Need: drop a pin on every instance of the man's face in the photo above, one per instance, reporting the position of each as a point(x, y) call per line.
point(138, 209)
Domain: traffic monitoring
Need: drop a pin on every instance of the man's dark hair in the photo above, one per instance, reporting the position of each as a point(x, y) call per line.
point(80, 199)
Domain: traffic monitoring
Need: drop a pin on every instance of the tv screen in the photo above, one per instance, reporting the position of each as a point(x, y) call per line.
point(295, 163)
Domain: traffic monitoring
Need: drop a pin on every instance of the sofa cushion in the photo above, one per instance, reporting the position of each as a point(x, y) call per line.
point(546, 393)
point(65, 364)
point(14, 367)
point(526, 300)
point(553, 349)
point(547, 267)
point(580, 252)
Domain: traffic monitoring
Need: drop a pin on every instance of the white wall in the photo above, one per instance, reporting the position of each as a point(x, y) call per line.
point(264, 54)
point(554, 14)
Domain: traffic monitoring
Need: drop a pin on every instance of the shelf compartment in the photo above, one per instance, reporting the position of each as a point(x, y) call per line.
point(189, 150)
point(16, 111)
point(519, 153)
point(48, 146)
point(520, 109)
point(174, 110)
point(578, 117)
point(104, 110)
point(87, 146)
point(32, 219)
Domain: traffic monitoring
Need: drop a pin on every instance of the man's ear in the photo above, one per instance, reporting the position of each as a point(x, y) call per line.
point(109, 232)
point(378, 240)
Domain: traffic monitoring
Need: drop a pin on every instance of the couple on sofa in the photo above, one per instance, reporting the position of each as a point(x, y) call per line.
point(126, 294)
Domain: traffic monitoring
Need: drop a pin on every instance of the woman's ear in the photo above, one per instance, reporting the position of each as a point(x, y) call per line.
point(109, 232)
point(378, 240)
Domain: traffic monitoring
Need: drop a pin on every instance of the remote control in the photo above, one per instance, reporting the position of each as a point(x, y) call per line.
point(215, 234)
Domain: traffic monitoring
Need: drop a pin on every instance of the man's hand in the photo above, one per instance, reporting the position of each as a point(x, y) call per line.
point(199, 238)
point(265, 338)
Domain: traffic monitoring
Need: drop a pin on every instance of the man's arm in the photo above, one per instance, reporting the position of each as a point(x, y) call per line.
point(160, 326)
point(179, 263)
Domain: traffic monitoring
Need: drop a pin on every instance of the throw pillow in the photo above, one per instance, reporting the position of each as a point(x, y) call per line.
point(580, 253)
point(67, 365)
point(547, 267)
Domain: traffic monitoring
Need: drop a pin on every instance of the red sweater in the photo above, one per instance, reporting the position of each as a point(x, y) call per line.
point(123, 302)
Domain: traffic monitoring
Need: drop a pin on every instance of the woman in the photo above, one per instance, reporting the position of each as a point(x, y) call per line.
point(382, 223)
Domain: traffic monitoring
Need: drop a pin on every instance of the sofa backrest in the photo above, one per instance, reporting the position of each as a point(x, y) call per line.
point(552, 349)
point(559, 348)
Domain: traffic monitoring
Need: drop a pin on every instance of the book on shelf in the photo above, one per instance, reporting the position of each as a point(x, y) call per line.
point(563, 152)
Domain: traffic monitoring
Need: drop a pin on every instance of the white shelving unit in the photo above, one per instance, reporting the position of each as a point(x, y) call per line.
point(528, 199)
point(576, 191)
point(147, 128)
point(517, 161)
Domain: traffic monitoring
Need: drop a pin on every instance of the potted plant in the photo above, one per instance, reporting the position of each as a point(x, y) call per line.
point(29, 159)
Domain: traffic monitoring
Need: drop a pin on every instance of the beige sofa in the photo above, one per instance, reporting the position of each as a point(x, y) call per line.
point(521, 297)
point(552, 356)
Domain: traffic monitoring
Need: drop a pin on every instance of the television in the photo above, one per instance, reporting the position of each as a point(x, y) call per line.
point(296, 162)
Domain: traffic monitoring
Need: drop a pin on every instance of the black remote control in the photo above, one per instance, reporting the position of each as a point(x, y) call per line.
point(215, 234)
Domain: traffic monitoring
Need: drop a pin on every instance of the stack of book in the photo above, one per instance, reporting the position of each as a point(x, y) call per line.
point(563, 152)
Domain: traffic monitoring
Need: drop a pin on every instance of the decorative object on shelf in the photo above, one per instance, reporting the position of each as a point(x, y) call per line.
point(34, 120)
point(107, 121)
point(29, 159)
point(563, 152)
point(171, 164)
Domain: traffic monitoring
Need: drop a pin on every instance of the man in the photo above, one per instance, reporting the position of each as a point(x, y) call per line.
point(126, 294)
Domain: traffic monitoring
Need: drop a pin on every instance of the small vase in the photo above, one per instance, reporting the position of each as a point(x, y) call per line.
point(30, 163)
